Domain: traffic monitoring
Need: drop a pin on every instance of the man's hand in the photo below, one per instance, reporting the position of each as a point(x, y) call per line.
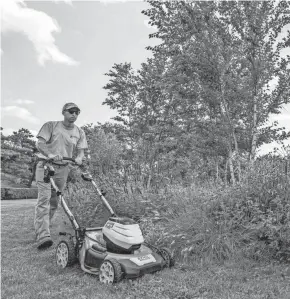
point(79, 160)
point(55, 157)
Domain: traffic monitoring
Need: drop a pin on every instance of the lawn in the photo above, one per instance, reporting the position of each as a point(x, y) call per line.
point(29, 274)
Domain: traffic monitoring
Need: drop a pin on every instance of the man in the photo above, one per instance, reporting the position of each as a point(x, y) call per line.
point(56, 139)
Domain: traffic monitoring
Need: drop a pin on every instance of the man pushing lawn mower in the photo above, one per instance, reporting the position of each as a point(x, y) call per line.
point(56, 139)
point(112, 252)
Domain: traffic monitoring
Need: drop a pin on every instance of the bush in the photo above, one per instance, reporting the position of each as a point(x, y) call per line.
point(259, 210)
point(18, 193)
point(251, 219)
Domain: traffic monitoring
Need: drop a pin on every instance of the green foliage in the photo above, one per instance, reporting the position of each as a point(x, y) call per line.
point(21, 138)
point(198, 221)
point(198, 108)
point(262, 207)
point(16, 155)
point(18, 193)
point(209, 222)
point(251, 219)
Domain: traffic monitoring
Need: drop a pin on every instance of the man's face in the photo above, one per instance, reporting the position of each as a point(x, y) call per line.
point(71, 114)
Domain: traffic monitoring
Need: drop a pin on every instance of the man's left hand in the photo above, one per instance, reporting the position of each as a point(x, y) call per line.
point(79, 160)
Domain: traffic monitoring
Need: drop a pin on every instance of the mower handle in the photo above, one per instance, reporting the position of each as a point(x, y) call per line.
point(88, 177)
point(63, 158)
point(69, 159)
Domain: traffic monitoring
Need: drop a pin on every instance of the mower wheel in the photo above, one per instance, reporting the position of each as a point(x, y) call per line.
point(110, 271)
point(65, 253)
point(167, 256)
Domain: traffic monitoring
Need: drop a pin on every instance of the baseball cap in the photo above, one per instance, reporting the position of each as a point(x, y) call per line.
point(69, 106)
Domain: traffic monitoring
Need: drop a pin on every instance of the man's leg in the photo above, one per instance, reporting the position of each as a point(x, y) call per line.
point(41, 218)
point(60, 178)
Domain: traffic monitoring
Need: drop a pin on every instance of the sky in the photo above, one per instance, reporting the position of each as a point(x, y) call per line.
point(54, 52)
point(58, 52)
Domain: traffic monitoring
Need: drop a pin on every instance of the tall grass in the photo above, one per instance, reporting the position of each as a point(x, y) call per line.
point(209, 222)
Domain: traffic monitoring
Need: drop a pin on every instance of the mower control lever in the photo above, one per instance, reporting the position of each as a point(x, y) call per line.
point(87, 177)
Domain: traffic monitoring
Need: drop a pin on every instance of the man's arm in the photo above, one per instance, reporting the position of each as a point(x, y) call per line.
point(42, 147)
point(81, 146)
point(80, 156)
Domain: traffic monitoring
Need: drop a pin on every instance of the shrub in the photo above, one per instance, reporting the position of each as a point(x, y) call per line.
point(259, 209)
point(18, 193)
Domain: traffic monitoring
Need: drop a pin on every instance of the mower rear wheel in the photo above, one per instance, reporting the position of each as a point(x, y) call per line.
point(110, 271)
point(65, 253)
point(167, 256)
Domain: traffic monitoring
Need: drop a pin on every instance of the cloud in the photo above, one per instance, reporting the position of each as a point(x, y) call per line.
point(66, 1)
point(19, 102)
point(37, 26)
point(25, 102)
point(116, 1)
point(19, 112)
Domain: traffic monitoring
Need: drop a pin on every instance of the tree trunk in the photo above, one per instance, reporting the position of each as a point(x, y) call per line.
point(238, 156)
point(217, 171)
point(254, 133)
point(149, 182)
point(231, 166)
point(226, 171)
point(226, 115)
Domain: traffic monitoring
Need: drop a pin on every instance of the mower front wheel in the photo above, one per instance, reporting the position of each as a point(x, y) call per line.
point(65, 253)
point(167, 256)
point(110, 271)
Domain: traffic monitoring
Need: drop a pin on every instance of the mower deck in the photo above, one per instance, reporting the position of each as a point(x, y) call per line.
point(141, 262)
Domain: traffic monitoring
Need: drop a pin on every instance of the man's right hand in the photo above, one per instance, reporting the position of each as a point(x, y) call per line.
point(55, 157)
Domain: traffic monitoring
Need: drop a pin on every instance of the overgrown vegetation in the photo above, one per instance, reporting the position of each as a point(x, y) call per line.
point(206, 222)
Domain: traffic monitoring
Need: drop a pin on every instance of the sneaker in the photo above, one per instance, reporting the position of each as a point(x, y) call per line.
point(44, 243)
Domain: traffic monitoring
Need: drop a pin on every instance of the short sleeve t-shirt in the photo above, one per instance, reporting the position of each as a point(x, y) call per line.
point(61, 140)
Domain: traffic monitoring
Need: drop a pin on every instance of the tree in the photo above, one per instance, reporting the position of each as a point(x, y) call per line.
point(212, 67)
point(16, 154)
point(204, 97)
point(154, 124)
point(122, 96)
point(22, 138)
point(257, 26)
point(201, 51)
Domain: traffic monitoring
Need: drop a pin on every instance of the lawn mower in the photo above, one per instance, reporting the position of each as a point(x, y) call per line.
point(113, 252)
